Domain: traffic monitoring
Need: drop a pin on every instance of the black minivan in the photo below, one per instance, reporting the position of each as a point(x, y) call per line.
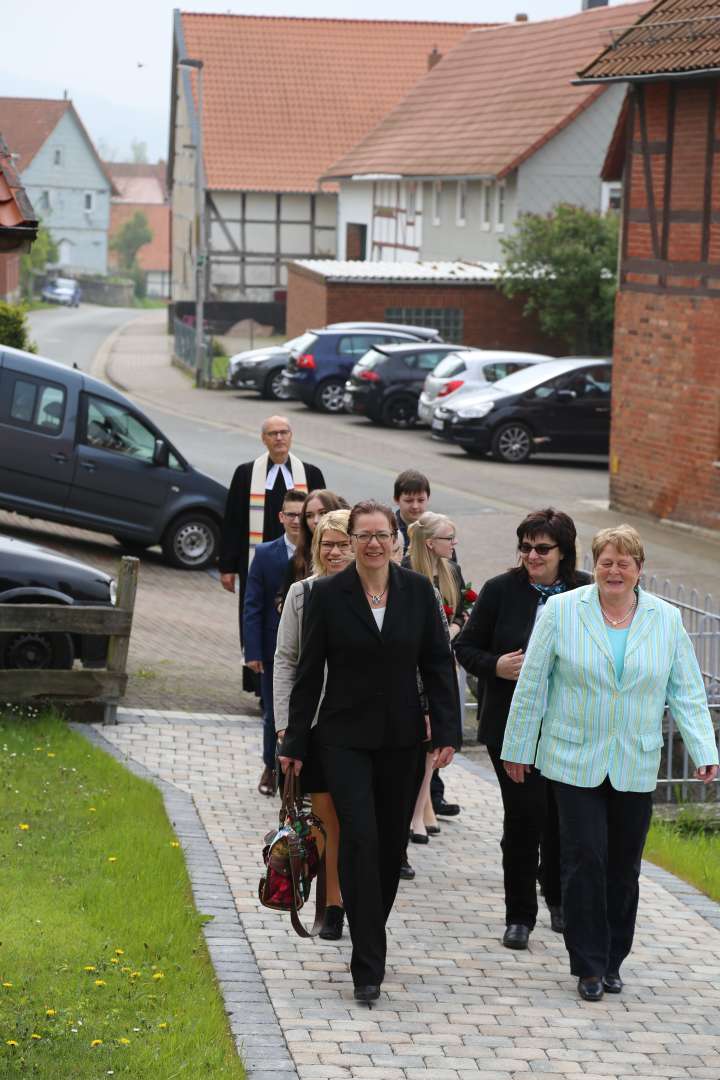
point(74, 450)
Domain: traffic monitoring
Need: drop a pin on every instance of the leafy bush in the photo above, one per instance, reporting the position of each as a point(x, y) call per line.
point(14, 330)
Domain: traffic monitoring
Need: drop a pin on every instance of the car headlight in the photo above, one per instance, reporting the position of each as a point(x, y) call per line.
point(113, 591)
point(473, 412)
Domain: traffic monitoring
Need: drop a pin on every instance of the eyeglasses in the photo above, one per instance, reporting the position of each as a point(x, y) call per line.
point(541, 549)
point(450, 539)
point(278, 434)
point(328, 545)
point(365, 537)
point(292, 515)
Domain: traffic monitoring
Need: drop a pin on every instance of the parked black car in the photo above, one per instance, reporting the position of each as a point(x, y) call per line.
point(558, 406)
point(32, 575)
point(74, 450)
point(317, 375)
point(385, 385)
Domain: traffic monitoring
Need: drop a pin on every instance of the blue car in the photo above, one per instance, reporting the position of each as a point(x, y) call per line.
point(317, 374)
point(62, 291)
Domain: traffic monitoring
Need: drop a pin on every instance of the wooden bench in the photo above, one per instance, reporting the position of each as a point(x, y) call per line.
point(91, 693)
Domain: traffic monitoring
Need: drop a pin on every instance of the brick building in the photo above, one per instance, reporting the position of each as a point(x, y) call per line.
point(18, 225)
point(665, 445)
point(458, 298)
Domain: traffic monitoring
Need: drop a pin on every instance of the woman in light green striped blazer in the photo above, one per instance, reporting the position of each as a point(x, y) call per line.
point(587, 712)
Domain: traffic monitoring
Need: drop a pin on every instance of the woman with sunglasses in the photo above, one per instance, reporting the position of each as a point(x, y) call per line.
point(492, 646)
point(373, 626)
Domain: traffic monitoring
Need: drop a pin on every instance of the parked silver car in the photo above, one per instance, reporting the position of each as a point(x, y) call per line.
point(468, 371)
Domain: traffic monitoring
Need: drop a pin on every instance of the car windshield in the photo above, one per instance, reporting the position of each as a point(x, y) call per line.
point(299, 343)
point(528, 378)
point(370, 359)
point(451, 365)
point(64, 283)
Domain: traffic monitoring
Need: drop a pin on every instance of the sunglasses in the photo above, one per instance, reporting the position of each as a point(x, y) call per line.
point(540, 549)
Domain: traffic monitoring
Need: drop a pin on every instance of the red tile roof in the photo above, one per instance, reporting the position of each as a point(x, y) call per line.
point(676, 36)
point(492, 102)
point(18, 221)
point(156, 254)
point(26, 124)
point(285, 97)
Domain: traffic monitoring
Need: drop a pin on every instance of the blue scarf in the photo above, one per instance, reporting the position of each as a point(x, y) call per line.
point(549, 590)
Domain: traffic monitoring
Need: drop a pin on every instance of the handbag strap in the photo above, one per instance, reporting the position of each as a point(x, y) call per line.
point(291, 807)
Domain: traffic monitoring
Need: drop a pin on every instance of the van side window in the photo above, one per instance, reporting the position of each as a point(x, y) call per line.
point(109, 426)
point(38, 405)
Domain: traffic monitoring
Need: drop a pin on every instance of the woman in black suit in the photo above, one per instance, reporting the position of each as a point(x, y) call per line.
point(492, 646)
point(375, 626)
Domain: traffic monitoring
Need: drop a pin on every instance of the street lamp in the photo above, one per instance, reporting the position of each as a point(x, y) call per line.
point(200, 238)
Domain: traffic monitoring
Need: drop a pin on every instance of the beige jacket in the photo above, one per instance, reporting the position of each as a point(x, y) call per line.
point(287, 651)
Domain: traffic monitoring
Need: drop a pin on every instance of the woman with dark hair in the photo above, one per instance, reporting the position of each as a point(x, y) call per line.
point(374, 626)
point(317, 503)
point(492, 646)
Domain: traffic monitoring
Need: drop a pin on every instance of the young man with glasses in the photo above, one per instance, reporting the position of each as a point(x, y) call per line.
point(261, 617)
point(253, 506)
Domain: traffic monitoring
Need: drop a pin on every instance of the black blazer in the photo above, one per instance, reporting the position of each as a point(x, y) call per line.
point(234, 540)
point(501, 621)
point(371, 696)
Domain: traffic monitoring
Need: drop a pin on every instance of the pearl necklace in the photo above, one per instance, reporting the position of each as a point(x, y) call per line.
point(616, 622)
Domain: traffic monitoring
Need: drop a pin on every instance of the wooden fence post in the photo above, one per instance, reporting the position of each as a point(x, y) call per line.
point(119, 646)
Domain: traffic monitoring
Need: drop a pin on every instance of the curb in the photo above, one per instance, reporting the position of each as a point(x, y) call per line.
point(253, 1022)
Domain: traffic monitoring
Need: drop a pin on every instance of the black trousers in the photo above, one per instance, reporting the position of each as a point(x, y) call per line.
point(530, 844)
point(602, 836)
point(373, 792)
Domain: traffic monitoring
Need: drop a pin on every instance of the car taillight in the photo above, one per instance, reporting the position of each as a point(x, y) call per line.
point(449, 387)
point(306, 361)
point(369, 376)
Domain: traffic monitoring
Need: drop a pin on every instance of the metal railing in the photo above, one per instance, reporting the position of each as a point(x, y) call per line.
point(184, 346)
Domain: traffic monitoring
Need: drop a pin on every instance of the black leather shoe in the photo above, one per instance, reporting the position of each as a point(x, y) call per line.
point(591, 988)
point(516, 936)
point(446, 809)
point(419, 838)
point(406, 871)
point(367, 994)
point(612, 982)
point(433, 830)
point(557, 922)
point(332, 926)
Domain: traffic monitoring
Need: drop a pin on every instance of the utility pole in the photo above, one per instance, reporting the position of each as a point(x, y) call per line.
point(203, 363)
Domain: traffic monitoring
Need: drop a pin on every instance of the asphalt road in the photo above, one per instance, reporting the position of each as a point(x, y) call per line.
point(74, 335)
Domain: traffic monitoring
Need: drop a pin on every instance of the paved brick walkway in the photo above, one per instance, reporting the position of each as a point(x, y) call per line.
point(455, 1003)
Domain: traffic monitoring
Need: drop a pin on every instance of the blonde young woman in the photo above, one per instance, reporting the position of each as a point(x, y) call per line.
point(432, 541)
point(330, 552)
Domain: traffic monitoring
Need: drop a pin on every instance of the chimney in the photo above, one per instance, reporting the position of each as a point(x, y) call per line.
point(65, 95)
point(587, 5)
point(521, 17)
point(434, 58)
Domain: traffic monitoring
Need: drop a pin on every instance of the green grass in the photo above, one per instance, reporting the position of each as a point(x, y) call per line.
point(688, 847)
point(100, 939)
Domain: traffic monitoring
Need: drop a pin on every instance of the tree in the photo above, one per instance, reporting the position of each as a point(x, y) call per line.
point(130, 238)
point(139, 151)
point(565, 264)
point(43, 251)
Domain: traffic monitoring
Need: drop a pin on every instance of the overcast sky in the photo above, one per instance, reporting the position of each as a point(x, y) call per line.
point(114, 59)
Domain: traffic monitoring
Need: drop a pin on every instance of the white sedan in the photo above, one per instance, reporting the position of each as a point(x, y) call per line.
point(462, 373)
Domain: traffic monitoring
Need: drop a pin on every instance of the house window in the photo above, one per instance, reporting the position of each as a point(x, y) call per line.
point(57, 156)
point(611, 198)
point(500, 207)
point(486, 207)
point(436, 197)
point(88, 201)
point(45, 201)
point(411, 199)
point(449, 321)
point(461, 202)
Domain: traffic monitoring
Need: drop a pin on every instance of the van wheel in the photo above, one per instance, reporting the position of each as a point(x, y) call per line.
point(329, 396)
point(30, 651)
point(400, 411)
point(191, 541)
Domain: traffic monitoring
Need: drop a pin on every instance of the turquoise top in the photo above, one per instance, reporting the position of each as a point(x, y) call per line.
point(618, 643)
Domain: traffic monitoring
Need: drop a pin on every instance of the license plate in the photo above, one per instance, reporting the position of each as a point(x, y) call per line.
point(437, 425)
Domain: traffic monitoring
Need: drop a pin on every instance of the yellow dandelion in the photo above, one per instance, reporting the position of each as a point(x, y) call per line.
point(119, 952)
point(112, 858)
point(35, 1036)
point(23, 826)
point(11, 1042)
point(114, 960)
point(7, 985)
point(135, 974)
point(89, 967)
point(40, 748)
point(174, 843)
point(158, 975)
point(96, 1042)
point(124, 1042)
point(92, 810)
point(125, 970)
point(100, 982)
point(50, 753)
point(50, 1012)
point(163, 1025)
